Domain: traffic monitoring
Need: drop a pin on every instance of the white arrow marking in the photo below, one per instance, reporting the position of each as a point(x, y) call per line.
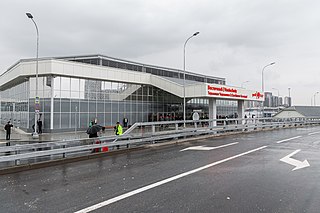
point(203, 148)
point(294, 162)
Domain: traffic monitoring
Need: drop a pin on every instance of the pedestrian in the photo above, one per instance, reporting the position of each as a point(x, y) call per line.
point(118, 129)
point(7, 127)
point(40, 126)
point(125, 122)
point(93, 135)
point(91, 123)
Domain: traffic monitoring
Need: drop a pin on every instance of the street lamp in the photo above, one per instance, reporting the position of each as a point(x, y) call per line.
point(262, 84)
point(244, 83)
point(35, 134)
point(184, 78)
point(289, 101)
point(314, 98)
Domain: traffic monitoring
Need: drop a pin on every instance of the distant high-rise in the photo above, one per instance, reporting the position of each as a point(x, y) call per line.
point(287, 101)
point(267, 99)
point(280, 101)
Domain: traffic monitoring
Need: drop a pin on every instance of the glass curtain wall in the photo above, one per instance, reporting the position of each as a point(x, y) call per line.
point(14, 105)
point(78, 101)
point(201, 105)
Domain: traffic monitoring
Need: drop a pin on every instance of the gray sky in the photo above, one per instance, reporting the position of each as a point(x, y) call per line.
point(237, 37)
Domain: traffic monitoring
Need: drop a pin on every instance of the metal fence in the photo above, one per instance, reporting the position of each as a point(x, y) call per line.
point(137, 135)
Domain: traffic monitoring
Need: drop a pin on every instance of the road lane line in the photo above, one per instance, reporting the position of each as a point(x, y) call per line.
point(207, 148)
point(312, 133)
point(153, 185)
point(289, 139)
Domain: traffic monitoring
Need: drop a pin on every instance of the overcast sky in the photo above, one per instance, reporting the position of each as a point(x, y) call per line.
point(237, 37)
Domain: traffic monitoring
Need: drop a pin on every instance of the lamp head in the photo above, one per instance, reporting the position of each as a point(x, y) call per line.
point(196, 33)
point(29, 15)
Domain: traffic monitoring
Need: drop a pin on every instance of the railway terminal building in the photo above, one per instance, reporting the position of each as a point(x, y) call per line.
point(74, 90)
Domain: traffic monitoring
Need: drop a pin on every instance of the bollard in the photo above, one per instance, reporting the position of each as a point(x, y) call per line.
point(64, 154)
point(153, 127)
point(17, 162)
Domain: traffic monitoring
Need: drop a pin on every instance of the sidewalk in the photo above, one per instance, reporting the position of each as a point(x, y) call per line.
point(20, 137)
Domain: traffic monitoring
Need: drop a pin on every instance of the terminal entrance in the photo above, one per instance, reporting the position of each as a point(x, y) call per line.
point(162, 116)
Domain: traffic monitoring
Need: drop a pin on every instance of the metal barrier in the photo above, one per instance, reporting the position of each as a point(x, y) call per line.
point(138, 134)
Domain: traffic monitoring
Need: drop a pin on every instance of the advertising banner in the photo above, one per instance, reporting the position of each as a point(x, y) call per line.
point(235, 93)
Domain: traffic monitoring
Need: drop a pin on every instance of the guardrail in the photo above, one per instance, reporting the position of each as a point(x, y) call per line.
point(139, 133)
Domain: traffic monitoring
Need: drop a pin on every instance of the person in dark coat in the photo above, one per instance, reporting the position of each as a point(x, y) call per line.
point(39, 126)
point(7, 127)
point(95, 135)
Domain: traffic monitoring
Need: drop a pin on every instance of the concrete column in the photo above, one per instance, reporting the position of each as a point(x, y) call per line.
point(0, 109)
point(213, 110)
point(51, 102)
point(13, 114)
point(240, 108)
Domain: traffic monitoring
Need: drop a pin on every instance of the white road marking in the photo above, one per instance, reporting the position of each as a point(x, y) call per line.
point(298, 164)
point(153, 185)
point(289, 139)
point(312, 133)
point(204, 148)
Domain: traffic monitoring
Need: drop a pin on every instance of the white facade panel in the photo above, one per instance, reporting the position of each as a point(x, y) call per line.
point(75, 69)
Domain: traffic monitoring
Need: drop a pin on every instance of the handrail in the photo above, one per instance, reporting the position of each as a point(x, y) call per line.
point(147, 132)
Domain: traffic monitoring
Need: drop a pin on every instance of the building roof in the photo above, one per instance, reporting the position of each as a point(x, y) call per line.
point(103, 60)
point(25, 70)
point(305, 111)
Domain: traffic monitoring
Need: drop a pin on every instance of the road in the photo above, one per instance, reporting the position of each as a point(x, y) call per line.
point(242, 173)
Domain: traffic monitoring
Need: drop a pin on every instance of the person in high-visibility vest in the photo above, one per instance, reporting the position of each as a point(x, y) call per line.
point(118, 129)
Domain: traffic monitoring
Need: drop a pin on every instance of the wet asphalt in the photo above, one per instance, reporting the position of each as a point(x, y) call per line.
point(252, 182)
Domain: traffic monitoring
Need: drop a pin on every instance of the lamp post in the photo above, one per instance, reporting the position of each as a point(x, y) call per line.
point(289, 102)
point(35, 134)
point(244, 83)
point(184, 78)
point(262, 84)
point(314, 98)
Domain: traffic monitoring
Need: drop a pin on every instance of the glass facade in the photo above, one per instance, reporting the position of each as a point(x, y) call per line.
point(78, 101)
point(201, 105)
point(70, 102)
point(132, 66)
point(15, 105)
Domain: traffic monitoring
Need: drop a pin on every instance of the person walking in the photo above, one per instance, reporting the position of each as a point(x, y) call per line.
point(118, 129)
point(7, 127)
point(91, 123)
point(40, 126)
